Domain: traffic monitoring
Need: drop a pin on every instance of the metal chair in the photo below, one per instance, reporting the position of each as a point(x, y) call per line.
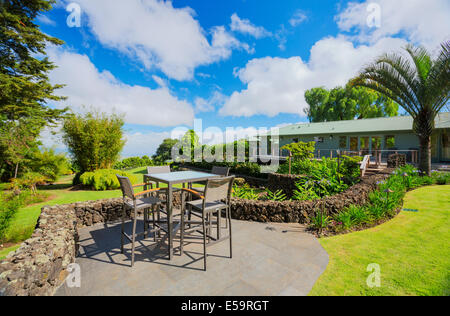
point(216, 199)
point(221, 171)
point(132, 201)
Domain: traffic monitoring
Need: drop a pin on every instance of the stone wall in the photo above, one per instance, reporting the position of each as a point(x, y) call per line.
point(39, 266)
point(283, 182)
point(303, 211)
point(396, 160)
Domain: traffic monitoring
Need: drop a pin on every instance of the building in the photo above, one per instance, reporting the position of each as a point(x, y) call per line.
point(381, 135)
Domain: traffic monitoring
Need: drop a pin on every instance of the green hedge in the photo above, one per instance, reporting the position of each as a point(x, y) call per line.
point(105, 179)
point(241, 168)
point(134, 162)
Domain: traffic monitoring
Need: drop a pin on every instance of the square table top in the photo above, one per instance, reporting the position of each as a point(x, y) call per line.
point(181, 177)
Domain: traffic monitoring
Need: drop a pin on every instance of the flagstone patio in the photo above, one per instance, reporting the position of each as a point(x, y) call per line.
point(268, 259)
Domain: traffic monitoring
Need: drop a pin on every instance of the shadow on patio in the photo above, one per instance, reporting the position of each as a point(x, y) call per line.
point(268, 259)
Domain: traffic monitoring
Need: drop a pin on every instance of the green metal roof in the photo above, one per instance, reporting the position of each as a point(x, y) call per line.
point(387, 124)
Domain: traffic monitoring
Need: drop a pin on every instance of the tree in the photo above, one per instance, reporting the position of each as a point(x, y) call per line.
point(301, 150)
point(164, 151)
point(419, 83)
point(17, 142)
point(95, 140)
point(24, 83)
point(347, 103)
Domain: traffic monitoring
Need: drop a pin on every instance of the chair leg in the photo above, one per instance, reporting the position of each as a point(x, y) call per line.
point(229, 226)
point(133, 239)
point(122, 230)
point(204, 242)
point(153, 219)
point(182, 231)
point(145, 223)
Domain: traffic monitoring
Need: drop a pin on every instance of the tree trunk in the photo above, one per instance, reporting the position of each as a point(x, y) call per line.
point(425, 155)
point(16, 171)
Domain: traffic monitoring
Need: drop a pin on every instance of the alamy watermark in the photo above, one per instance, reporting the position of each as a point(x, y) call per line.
point(374, 278)
point(230, 145)
point(74, 18)
point(74, 278)
point(374, 15)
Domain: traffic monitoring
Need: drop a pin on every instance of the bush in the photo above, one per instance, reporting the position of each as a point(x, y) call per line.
point(134, 162)
point(50, 164)
point(348, 170)
point(95, 140)
point(242, 168)
point(8, 210)
point(105, 179)
point(301, 150)
point(28, 181)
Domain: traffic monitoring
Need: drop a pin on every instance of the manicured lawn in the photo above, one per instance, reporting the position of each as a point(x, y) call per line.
point(6, 251)
point(412, 250)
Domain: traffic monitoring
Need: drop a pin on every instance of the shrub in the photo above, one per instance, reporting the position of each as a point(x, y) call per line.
point(301, 150)
point(320, 221)
point(104, 179)
point(28, 181)
point(245, 192)
point(50, 164)
point(8, 210)
point(321, 179)
point(95, 140)
point(275, 196)
point(134, 162)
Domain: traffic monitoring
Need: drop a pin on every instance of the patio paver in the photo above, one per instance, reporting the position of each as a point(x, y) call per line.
point(268, 259)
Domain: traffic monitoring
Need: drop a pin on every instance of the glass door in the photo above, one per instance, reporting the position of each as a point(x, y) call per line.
point(446, 145)
point(364, 145)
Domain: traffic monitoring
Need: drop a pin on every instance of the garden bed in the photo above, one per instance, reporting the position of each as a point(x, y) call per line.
point(303, 211)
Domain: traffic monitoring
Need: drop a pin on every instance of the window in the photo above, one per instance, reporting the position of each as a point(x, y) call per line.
point(295, 140)
point(318, 139)
point(389, 141)
point(343, 142)
point(354, 143)
point(376, 143)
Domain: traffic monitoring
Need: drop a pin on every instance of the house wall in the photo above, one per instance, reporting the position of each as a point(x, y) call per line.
point(403, 141)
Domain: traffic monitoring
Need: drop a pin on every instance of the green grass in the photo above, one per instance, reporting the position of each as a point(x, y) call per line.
point(412, 251)
point(6, 251)
point(60, 193)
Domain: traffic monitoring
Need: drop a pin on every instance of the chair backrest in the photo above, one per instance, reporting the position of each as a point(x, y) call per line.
point(219, 189)
point(158, 169)
point(221, 171)
point(126, 187)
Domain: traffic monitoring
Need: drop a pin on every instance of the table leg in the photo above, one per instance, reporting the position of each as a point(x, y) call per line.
point(170, 219)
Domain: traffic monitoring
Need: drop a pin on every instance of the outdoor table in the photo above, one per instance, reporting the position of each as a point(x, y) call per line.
point(181, 177)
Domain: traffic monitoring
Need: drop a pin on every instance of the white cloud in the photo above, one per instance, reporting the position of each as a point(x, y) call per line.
point(225, 42)
point(139, 144)
point(426, 23)
point(208, 105)
point(88, 86)
point(246, 27)
point(298, 18)
point(157, 34)
point(46, 20)
point(278, 85)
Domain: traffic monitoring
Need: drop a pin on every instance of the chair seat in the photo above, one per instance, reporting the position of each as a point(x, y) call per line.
point(209, 206)
point(147, 202)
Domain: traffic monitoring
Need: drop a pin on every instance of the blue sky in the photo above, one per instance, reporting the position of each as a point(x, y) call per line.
point(235, 63)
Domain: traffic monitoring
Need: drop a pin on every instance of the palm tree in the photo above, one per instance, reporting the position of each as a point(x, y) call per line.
point(421, 88)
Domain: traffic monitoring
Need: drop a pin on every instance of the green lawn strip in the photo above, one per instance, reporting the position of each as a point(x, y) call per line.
point(6, 251)
point(412, 251)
